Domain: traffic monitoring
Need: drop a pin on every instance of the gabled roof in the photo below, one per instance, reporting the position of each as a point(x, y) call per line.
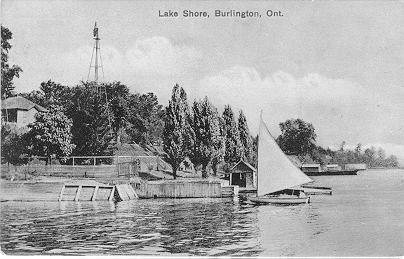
point(20, 103)
point(245, 163)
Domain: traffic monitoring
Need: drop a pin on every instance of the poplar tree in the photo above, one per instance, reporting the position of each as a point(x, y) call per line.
point(208, 142)
point(220, 155)
point(245, 137)
point(177, 133)
point(234, 149)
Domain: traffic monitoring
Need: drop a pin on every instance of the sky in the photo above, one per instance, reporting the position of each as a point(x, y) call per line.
point(337, 65)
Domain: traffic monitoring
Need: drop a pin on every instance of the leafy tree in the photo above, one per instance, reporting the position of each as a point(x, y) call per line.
point(91, 129)
point(7, 73)
point(234, 148)
point(245, 137)
point(208, 142)
point(146, 119)
point(13, 144)
point(297, 137)
point(50, 134)
point(177, 133)
point(117, 98)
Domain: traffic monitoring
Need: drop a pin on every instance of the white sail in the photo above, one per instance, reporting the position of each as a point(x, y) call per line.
point(275, 171)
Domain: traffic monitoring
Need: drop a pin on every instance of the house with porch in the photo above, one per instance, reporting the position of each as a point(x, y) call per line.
point(19, 111)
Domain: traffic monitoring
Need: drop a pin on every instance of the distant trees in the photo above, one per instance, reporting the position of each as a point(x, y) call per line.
point(50, 134)
point(177, 133)
point(7, 73)
point(370, 156)
point(208, 143)
point(297, 137)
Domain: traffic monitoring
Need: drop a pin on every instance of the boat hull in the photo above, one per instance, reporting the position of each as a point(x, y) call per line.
point(316, 190)
point(279, 200)
point(342, 172)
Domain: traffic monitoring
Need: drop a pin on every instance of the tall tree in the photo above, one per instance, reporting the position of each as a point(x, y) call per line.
point(245, 137)
point(7, 73)
point(177, 133)
point(234, 150)
point(50, 134)
point(297, 137)
point(219, 158)
point(208, 142)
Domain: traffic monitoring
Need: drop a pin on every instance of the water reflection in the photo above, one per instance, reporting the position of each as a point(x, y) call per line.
point(192, 227)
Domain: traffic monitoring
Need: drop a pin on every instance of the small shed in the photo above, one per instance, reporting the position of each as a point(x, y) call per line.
point(243, 174)
point(333, 167)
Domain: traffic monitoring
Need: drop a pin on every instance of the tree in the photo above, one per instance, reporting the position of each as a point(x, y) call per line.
point(245, 137)
point(297, 137)
point(208, 142)
point(234, 148)
point(7, 73)
point(219, 158)
point(91, 117)
point(117, 98)
point(370, 156)
point(146, 119)
point(177, 133)
point(13, 144)
point(50, 134)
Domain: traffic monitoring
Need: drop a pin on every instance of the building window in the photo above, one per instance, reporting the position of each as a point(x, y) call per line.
point(9, 115)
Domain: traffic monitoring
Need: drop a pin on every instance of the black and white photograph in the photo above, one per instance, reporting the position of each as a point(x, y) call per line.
point(202, 128)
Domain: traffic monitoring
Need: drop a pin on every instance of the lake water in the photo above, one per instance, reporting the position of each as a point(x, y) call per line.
point(363, 217)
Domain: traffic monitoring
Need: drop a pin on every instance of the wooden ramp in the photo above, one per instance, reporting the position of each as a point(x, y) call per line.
point(93, 191)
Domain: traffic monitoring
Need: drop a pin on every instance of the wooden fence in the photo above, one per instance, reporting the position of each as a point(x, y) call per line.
point(120, 166)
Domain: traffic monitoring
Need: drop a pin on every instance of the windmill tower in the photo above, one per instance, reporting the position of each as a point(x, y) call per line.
point(96, 65)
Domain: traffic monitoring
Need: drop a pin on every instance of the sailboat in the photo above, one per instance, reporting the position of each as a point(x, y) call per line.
point(277, 175)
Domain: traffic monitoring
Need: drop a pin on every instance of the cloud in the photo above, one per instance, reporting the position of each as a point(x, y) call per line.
point(157, 55)
point(340, 110)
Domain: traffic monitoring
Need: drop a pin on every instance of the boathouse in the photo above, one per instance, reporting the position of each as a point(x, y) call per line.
point(243, 175)
point(355, 166)
point(311, 168)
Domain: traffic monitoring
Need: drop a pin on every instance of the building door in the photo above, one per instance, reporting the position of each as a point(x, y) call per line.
point(238, 179)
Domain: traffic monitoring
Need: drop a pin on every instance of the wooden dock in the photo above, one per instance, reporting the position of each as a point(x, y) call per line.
point(184, 188)
point(80, 190)
point(96, 191)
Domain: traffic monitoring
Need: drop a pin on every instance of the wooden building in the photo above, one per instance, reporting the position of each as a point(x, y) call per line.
point(19, 111)
point(243, 175)
point(311, 168)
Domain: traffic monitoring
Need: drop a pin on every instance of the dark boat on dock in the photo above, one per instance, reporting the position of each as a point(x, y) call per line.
point(317, 170)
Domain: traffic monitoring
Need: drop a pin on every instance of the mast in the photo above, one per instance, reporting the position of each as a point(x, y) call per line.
point(258, 142)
